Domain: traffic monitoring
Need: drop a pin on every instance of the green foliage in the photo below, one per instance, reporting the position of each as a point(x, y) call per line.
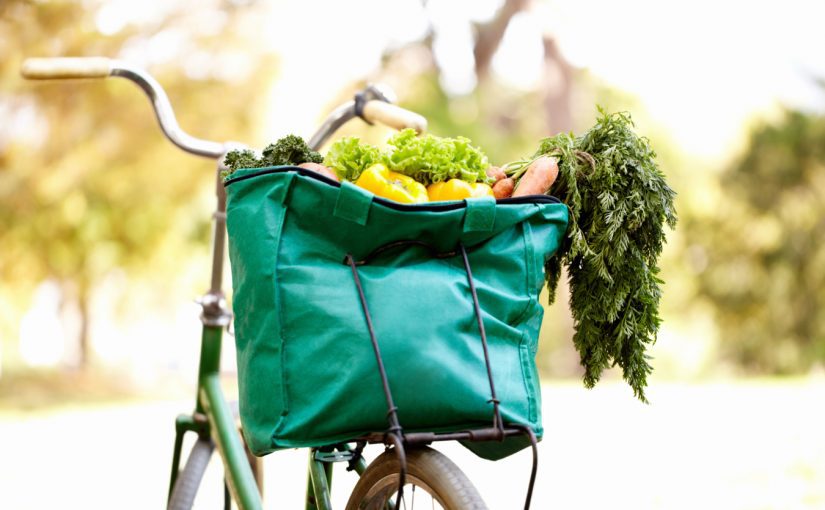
point(430, 159)
point(289, 150)
point(244, 158)
point(427, 158)
point(348, 157)
point(619, 203)
point(88, 185)
point(759, 255)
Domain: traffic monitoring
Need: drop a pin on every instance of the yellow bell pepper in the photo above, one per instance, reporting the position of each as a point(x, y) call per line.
point(457, 189)
point(392, 185)
point(482, 190)
point(454, 189)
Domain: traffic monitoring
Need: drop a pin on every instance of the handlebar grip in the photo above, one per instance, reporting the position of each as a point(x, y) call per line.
point(64, 68)
point(393, 116)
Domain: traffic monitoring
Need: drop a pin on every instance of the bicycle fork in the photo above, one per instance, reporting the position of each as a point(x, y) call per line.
point(321, 460)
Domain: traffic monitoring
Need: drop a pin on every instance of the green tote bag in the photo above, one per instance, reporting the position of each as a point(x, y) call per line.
point(307, 369)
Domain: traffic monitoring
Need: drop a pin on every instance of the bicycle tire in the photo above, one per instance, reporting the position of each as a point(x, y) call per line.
point(427, 469)
point(189, 479)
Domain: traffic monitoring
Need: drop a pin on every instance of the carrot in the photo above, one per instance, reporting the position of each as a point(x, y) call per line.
point(540, 175)
point(504, 188)
point(321, 169)
point(496, 173)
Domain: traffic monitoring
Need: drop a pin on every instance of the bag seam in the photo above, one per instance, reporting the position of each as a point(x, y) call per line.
point(526, 377)
point(525, 343)
point(281, 336)
point(528, 260)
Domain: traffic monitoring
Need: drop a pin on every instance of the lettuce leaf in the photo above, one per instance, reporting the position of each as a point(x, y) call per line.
point(348, 157)
point(430, 159)
point(427, 159)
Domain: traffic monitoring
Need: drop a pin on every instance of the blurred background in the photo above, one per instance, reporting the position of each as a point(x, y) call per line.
point(104, 227)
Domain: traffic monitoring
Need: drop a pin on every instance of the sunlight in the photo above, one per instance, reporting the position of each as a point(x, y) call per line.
point(42, 339)
point(519, 61)
point(702, 70)
point(94, 198)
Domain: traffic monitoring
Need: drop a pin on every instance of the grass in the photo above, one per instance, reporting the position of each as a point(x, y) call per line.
point(47, 390)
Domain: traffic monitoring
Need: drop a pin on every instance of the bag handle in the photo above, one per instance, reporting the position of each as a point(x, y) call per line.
point(480, 214)
point(353, 203)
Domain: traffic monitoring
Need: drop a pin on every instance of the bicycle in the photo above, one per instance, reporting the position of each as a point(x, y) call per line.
point(383, 483)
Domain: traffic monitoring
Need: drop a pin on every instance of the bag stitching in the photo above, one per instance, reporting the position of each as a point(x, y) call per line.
point(529, 253)
point(277, 293)
point(528, 259)
point(527, 377)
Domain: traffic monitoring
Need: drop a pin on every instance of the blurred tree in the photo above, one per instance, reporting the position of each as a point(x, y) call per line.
point(489, 35)
point(558, 88)
point(87, 182)
point(760, 256)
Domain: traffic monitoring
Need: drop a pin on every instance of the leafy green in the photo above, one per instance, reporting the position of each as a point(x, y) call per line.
point(427, 159)
point(240, 159)
point(348, 157)
point(619, 202)
point(289, 150)
point(430, 159)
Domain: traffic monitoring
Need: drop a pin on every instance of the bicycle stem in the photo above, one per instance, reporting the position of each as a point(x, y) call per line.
point(215, 310)
point(219, 235)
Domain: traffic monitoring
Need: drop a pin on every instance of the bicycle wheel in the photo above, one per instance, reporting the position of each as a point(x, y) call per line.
point(432, 481)
point(189, 479)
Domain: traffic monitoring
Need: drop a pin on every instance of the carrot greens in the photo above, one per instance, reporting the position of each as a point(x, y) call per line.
point(619, 204)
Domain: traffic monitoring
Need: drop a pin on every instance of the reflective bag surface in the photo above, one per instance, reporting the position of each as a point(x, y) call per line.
point(307, 369)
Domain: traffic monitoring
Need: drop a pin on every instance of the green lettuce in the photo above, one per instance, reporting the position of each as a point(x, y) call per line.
point(427, 158)
point(348, 157)
point(430, 159)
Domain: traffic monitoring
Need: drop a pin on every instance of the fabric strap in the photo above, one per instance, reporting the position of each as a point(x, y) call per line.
point(480, 215)
point(353, 203)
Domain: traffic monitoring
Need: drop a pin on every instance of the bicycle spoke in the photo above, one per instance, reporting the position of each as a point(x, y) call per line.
point(411, 490)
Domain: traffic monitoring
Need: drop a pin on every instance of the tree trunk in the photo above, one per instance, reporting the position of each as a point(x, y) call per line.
point(85, 360)
point(558, 81)
point(490, 34)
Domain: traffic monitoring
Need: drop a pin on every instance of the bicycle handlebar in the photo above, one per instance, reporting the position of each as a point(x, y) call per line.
point(376, 107)
point(393, 116)
point(100, 67)
point(66, 68)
